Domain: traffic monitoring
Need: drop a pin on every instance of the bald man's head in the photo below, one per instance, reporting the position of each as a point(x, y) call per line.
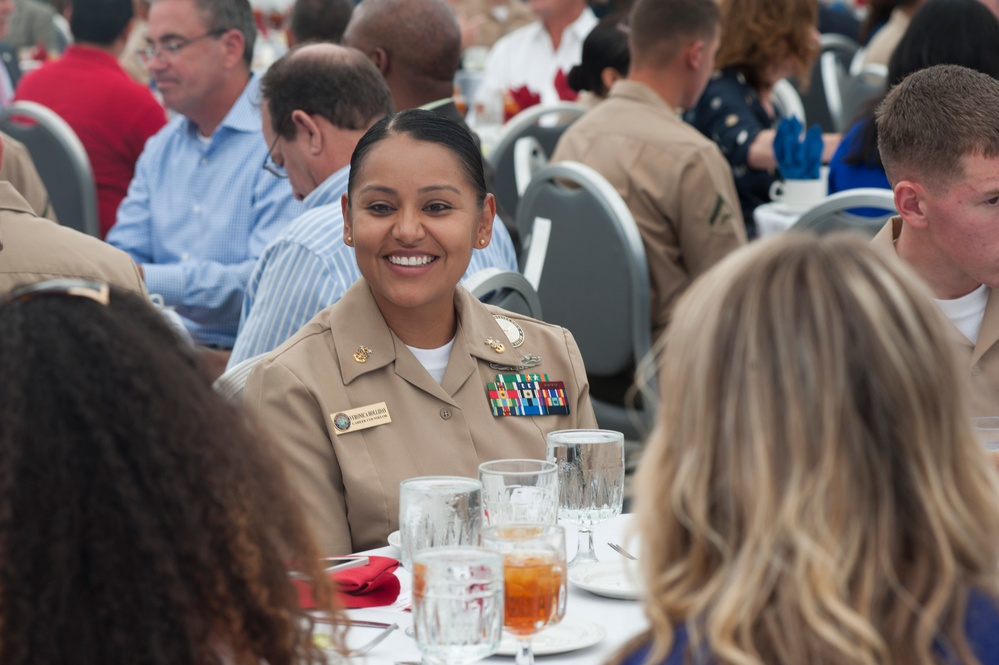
point(418, 39)
point(335, 82)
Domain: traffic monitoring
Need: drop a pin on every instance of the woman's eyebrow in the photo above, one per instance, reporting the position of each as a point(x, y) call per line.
point(436, 188)
point(377, 188)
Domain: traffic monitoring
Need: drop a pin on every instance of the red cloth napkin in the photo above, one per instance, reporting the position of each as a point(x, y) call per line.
point(565, 93)
point(372, 585)
point(523, 97)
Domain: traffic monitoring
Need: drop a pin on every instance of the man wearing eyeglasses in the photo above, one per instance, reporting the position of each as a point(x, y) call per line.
point(200, 210)
point(312, 131)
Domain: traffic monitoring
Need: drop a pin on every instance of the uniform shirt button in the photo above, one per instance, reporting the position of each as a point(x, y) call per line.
point(976, 370)
point(446, 414)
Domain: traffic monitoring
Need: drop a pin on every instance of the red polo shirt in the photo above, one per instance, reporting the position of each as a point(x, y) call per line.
point(112, 115)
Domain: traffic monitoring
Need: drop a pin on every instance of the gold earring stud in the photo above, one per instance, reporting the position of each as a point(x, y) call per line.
point(350, 239)
point(482, 241)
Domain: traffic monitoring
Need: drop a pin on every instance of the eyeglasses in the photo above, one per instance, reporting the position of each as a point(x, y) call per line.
point(169, 49)
point(99, 292)
point(269, 164)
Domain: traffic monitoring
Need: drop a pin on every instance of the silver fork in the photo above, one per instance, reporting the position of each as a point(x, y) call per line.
point(386, 630)
point(623, 552)
point(378, 639)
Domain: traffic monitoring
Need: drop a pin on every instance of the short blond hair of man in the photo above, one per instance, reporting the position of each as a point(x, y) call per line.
point(932, 120)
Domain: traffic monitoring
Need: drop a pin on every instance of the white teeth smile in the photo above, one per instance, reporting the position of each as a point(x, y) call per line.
point(411, 260)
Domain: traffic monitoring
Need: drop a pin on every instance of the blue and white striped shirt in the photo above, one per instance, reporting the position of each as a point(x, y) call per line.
point(308, 268)
point(199, 212)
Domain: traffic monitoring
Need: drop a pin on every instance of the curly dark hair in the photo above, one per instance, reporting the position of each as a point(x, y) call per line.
point(758, 34)
point(141, 520)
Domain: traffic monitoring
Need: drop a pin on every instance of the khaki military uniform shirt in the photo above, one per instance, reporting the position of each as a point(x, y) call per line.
point(983, 356)
point(675, 181)
point(33, 250)
point(349, 480)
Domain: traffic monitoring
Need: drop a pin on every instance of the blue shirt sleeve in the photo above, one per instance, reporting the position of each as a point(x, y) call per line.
point(290, 285)
point(132, 229)
point(198, 213)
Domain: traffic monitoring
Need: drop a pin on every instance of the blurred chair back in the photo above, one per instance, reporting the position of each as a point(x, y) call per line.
point(788, 101)
point(61, 161)
point(842, 51)
point(529, 157)
point(526, 123)
point(583, 250)
point(844, 48)
point(847, 93)
point(231, 384)
point(839, 212)
point(857, 90)
point(506, 289)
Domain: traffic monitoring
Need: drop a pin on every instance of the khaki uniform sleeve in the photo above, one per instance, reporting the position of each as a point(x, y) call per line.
point(712, 224)
point(19, 170)
point(295, 422)
point(585, 417)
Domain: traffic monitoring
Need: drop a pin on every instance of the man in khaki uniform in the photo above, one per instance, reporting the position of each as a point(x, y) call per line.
point(347, 363)
point(19, 170)
point(938, 134)
point(34, 249)
point(676, 183)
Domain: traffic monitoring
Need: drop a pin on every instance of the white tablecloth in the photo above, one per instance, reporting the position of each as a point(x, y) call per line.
point(622, 619)
point(773, 218)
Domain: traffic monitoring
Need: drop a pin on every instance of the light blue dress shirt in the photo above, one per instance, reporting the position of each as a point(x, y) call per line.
point(308, 268)
point(199, 212)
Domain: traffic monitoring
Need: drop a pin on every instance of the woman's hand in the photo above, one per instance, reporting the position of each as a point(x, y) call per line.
point(830, 142)
point(761, 151)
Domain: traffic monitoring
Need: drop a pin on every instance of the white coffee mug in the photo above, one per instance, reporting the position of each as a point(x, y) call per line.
point(798, 195)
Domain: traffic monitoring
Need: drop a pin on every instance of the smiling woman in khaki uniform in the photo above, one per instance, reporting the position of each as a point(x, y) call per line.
point(398, 379)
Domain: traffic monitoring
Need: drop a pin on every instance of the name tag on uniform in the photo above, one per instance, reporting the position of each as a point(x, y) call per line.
point(362, 418)
point(527, 395)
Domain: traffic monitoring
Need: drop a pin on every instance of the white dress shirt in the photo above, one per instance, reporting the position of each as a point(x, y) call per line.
point(526, 57)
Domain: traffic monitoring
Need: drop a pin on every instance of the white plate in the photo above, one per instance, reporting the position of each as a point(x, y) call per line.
point(568, 635)
point(395, 540)
point(606, 578)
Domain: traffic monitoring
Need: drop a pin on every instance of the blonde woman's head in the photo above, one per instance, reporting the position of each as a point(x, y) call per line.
point(813, 493)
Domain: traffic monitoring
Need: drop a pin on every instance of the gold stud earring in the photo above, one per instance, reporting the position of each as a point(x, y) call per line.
point(350, 239)
point(482, 241)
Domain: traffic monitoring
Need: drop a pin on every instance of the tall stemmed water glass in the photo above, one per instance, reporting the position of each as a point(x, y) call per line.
point(518, 490)
point(534, 576)
point(457, 604)
point(590, 481)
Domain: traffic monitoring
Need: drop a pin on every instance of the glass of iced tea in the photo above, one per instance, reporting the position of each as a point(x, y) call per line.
point(534, 573)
